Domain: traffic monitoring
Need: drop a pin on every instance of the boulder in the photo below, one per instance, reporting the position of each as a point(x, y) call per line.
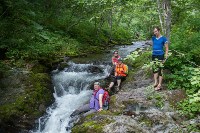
point(94, 69)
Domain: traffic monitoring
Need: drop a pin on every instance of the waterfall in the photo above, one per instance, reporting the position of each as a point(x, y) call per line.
point(71, 90)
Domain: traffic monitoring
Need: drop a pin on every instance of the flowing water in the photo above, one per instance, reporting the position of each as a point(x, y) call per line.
point(72, 88)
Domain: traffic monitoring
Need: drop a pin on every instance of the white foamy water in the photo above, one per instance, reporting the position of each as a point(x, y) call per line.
point(59, 117)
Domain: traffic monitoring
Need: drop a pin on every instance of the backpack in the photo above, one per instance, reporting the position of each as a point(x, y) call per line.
point(105, 100)
point(124, 65)
point(126, 69)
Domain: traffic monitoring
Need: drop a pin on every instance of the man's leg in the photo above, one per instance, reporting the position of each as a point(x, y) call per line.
point(160, 81)
point(155, 69)
point(118, 85)
point(75, 115)
point(111, 85)
point(155, 75)
point(118, 82)
point(120, 79)
point(160, 78)
point(80, 110)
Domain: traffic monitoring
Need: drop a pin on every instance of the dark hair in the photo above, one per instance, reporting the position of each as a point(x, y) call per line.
point(156, 27)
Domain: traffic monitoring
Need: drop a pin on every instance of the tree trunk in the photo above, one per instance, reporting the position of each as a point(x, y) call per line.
point(160, 15)
point(167, 17)
point(164, 12)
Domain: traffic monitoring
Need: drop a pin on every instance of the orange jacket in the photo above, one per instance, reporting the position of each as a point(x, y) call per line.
point(120, 70)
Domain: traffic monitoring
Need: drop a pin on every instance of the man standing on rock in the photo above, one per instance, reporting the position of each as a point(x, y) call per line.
point(158, 55)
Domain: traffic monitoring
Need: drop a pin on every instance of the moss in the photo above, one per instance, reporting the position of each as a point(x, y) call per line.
point(87, 128)
point(89, 116)
point(91, 126)
point(113, 100)
point(36, 93)
point(129, 102)
point(38, 68)
point(110, 113)
point(147, 121)
point(113, 103)
point(157, 98)
point(129, 78)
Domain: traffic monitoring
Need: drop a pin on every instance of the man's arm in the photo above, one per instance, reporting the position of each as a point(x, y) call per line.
point(115, 70)
point(100, 102)
point(166, 50)
point(113, 61)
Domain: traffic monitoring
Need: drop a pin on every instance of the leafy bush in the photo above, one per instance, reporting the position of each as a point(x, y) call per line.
point(190, 106)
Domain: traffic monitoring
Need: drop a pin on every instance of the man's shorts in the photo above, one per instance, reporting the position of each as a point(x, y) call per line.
point(158, 57)
point(157, 67)
point(118, 78)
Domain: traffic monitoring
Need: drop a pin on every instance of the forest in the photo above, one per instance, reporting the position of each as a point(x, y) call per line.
point(42, 32)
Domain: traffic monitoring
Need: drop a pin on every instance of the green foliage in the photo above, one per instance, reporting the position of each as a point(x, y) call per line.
point(132, 57)
point(190, 109)
point(185, 59)
point(138, 58)
point(190, 106)
point(121, 35)
point(187, 78)
point(43, 31)
point(193, 127)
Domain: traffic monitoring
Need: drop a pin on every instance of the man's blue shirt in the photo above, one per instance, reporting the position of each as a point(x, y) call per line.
point(158, 44)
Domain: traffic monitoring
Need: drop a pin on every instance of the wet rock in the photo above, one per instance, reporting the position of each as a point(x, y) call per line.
point(65, 58)
point(123, 124)
point(62, 65)
point(94, 69)
point(42, 108)
point(148, 43)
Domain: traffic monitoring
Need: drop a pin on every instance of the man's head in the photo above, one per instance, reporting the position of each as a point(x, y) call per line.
point(96, 85)
point(156, 31)
point(115, 53)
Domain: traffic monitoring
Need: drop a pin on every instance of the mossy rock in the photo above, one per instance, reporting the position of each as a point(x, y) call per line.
point(27, 104)
point(38, 68)
point(143, 119)
point(91, 124)
point(158, 99)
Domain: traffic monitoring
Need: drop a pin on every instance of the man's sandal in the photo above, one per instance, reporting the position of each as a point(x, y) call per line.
point(155, 85)
point(158, 88)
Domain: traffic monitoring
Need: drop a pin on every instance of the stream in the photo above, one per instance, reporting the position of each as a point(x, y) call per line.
point(72, 87)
